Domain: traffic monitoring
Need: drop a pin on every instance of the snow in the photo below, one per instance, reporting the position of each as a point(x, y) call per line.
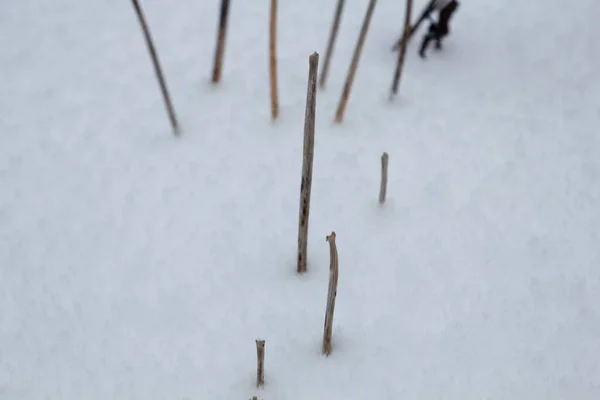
point(137, 265)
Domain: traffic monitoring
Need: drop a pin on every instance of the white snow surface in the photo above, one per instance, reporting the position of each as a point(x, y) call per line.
point(137, 265)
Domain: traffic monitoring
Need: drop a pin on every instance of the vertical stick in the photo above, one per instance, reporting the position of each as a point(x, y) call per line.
point(332, 36)
point(331, 294)
point(273, 60)
point(157, 69)
point(307, 161)
point(402, 53)
point(260, 365)
point(221, 34)
point(384, 176)
point(339, 116)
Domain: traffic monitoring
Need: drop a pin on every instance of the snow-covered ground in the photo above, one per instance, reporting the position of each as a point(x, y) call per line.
point(136, 265)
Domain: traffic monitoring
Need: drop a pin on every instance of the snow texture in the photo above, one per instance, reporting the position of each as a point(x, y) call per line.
point(137, 265)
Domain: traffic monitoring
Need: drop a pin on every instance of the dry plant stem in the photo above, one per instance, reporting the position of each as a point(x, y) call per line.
point(221, 35)
point(402, 53)
point(330, 45)
point(384, 177)
point(331, 294)
point(260, 365)
point(157, 68)
point(307, 162)
point(273, 60)
point(339, 115)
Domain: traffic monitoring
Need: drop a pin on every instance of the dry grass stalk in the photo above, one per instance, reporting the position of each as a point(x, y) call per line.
point(332, 36)
point(157, 69)
point(273, 60)
point(384, 178)
point(221, 35)
point(402, 53)
point(307, 162)
point(339, 115)
point(260, 365)
point(331, 294)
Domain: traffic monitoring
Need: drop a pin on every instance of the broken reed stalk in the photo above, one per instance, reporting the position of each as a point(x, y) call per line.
point(221, 35)
point(157, 69)
point(339, 116)
point(260, 365)
point(307, 161)
point(331, 294)
point(332, 36)
point(402, 53)
point(273, 60)
point(384, 177)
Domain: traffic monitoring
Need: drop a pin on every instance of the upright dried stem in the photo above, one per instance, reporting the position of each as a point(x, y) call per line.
point(273, 60)
point(402, 53)
point(339, 115)
point(157, 69)
point(307, 162)
point(221, 35)
point(331, 294)
point(331, 43)
point(260, 365)
point(384, 178)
